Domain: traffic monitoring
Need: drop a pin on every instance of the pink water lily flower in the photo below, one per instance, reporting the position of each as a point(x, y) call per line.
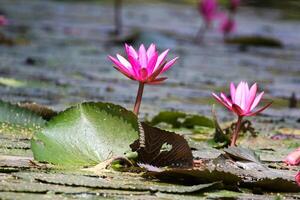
point(143, 66)
point(293, 158)
point(3, 20)
point(208, 9)
point(243, 100)
point(227, 25)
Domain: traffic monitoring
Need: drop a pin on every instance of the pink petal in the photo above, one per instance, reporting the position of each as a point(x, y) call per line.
point(152, 62)
point(119, 65)
point(158, 80)
point(151, 51)
point(143, 56)
point(232, 92)
point(130, 51)
point(293, 158)
point(157, 71)
point(260, 110)
point(224, 97)
point(297, 179)
point(161, 58)
point(135, 65)
point(238, 94)
point(243, 95)
point(256, 101)
point(221, 101)
point(169, 64)
point(124, 62)
point(252, 94)
point(246, 90)
point(124, 73)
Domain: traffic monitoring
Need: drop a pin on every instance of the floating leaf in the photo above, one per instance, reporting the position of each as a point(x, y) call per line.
point(125, 183)
point(169, 117)
point(15, 120)
point(243, 154)
point(86, 134)
point(198, 120)
point(162, 148)
point(43, 111)
point(255, 41)
point(196, 176)
point(180, 119)
point(232, 174)
point(12, 82)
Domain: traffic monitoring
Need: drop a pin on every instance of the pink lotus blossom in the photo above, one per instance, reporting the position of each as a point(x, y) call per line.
point(227, 25)
point(297, 179)
point(143, 65)
point(293, 158)
point(243, 100)
point(234, 4)
point(3, 20)
point(208, 9)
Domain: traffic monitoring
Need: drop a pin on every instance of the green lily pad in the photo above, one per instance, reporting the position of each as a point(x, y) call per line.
point(255, 41)
point(182, 120)
point(86, 134)
point(15, 120)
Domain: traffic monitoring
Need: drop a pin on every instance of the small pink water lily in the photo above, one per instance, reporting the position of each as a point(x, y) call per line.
point(143, 66)
point(297, 179)
point(3, 20)
point(293, 158)
point(243, 101)
point(227, 25)
point(208, 10)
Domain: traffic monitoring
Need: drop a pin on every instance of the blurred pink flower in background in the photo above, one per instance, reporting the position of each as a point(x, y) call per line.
point(293, 158)
point(227, 25)
point(297, 179)
point(208, 10)
point(3, 20)
point(242, 102)
point(143, 66)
